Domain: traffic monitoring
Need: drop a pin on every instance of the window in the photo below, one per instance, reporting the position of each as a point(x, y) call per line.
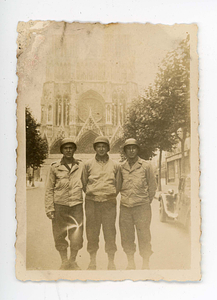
point(66, 111)
point(49, 114)
point(115, 108)
point(58, 110)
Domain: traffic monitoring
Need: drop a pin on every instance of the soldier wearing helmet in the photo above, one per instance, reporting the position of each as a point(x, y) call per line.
point(101, 179)
point(63, 204)
point(137, 192)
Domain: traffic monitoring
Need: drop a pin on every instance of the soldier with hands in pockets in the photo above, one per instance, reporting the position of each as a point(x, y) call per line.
point(101, 181)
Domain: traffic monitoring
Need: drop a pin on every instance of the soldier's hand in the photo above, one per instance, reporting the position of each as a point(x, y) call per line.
point(51, 215)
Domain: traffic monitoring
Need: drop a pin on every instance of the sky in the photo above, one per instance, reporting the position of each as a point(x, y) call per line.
point(149, 45)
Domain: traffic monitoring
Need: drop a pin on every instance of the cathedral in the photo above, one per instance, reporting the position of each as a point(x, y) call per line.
point(89, 85)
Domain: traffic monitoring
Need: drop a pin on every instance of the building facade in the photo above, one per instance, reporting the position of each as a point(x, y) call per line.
point(173, 163)
point(87, 90)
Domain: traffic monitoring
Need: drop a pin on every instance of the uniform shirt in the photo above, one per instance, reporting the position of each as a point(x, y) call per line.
point(138, 183)
point(101, 179)
point(64, 185)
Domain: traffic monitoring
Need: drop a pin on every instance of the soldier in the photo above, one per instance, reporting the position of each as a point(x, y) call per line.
point(137, 192)
point(101, 179)
point(63, 204)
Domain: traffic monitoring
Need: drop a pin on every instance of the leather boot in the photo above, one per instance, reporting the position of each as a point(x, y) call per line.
point(72, 261)
point(131, 263)
point(111, 264)
point(65, 262)
point(92, 264)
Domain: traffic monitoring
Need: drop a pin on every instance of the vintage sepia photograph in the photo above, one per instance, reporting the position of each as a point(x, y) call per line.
point(107, 157)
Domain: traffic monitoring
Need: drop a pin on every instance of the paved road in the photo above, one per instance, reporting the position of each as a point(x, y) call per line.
point(170, 242)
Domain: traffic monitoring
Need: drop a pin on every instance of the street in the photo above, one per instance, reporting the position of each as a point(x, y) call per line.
point(170, 242)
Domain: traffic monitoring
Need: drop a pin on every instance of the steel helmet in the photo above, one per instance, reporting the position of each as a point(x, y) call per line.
point(130, 141)
point(101, 139)
point(67, 141)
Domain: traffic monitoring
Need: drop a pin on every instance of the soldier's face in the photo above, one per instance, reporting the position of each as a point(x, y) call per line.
point(131, 151)
point(101, 149)
point(68, 150)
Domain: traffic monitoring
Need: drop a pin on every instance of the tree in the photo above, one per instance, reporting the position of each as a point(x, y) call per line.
point(139, 125)
point(155, 118)
point(164, 137)
point(36, 146)
point(173, 89)
point(147, 123)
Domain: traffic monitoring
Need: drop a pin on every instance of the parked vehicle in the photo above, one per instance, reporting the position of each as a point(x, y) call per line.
point(177, 206)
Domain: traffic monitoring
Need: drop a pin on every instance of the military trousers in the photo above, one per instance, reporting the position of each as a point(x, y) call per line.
point(68, 221)
point(137, 218)
point(100, 214)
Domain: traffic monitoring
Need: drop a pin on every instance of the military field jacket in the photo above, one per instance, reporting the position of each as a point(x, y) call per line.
point(138, 183)
point(101, 181)
point(64, 186)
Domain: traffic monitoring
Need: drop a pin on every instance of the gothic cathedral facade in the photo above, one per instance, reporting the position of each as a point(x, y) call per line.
point(87, 90)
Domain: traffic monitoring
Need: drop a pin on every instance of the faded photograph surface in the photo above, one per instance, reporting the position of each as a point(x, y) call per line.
point(108, 163)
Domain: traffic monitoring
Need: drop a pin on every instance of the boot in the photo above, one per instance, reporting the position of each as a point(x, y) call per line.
point(72, 261)
point(92, 264)
point(111, 264)
point(145, 263)
point(65, 262)
point(131, 263)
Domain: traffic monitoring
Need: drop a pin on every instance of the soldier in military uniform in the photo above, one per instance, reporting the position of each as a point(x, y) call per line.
point(101, 181)
point(63, 204)
point(137, 192)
